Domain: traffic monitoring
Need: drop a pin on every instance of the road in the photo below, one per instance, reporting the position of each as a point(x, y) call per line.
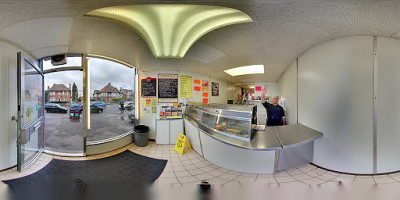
point(66, 135)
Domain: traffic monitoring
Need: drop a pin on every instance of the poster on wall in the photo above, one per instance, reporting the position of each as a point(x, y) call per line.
point(205, 86)
point(167, 88)
point(185, 83)
point(149, 87)
point(197, 81)
point(215, 89)
point(148, 102)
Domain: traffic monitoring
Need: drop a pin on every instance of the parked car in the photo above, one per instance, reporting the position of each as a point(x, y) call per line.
point(95, 109)
point(76, 107)
point(99, 103)
point(52, 107)
point(79, 107)
point(129, 105)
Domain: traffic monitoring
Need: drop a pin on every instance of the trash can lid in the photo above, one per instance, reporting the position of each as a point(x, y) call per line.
point(141, 129)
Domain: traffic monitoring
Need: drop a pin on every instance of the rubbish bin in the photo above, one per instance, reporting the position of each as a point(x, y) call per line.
point(141, 135)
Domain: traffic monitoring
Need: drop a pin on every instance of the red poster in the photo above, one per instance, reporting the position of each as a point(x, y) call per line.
point(205, 86)
point(205, 100)
point(197, 81)
point(197, 88)
point(258, 88)
point(205, 94)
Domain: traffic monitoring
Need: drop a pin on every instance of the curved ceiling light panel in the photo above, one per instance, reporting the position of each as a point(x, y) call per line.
point(170, 30)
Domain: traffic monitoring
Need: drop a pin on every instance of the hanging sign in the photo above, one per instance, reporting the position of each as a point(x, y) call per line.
point(181, 143)
point(149, 87)
point(167, 88)
point(185, 83)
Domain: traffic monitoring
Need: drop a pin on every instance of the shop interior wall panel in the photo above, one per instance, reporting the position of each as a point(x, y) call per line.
point(388, 105)
point(289, 92)
point(175, 128)
point(162, 131)
point(8, 104)
point(336, 98)
point(236, 158)
point(297, 156)
point(192, 134)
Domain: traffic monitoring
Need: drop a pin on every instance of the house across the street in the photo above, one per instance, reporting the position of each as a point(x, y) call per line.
point(107, 93)
point(59, 92)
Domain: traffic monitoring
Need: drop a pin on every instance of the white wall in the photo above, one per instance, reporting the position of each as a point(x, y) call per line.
point(288, 85)
point(8, 104)
point(388, 105)
point(335, 94)
point(233, 92)
point(149, 118)
point(273, 88)
point(335, 97)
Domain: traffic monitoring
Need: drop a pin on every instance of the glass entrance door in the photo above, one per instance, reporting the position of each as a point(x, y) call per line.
point(30, 110)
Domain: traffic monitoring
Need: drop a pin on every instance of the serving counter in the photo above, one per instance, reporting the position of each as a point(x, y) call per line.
point(228, 140)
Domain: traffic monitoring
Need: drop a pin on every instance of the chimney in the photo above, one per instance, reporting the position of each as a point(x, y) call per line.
point(48, 87)
point(109, 83)
point(70, 86)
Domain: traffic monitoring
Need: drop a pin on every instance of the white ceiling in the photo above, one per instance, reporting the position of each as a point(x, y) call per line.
point(282, 31)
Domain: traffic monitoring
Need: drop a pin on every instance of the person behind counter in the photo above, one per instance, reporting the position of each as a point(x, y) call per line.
point(275, 112)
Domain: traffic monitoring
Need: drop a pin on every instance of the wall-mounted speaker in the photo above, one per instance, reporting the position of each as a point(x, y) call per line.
point(59, 59)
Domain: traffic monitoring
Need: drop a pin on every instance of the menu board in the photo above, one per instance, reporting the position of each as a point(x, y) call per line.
point(149, 87)
point(186, 87)
point(167, 88)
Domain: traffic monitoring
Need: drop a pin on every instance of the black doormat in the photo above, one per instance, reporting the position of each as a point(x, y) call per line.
point(123, 176)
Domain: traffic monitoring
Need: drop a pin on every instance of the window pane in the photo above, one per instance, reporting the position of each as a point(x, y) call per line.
point(111, 85)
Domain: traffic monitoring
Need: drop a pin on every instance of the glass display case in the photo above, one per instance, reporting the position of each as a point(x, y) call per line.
point(230, 120)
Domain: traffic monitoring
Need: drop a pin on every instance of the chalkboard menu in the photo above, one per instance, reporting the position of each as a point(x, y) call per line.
point(149, 87)
point(167, 88)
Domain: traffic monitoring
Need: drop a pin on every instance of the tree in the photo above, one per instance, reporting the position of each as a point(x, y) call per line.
point(74, 92)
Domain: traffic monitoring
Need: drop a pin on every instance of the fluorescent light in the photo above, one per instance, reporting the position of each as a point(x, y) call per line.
point(251, 87)
point(251, 69)
point(171, 29)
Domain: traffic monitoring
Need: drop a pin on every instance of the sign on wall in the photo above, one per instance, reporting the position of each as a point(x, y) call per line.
point(185, 83)
point(149, 87)
point(215, 89)
point(167, 88)
point(205, 86)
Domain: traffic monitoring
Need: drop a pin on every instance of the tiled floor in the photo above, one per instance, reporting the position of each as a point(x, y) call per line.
point(190, 169)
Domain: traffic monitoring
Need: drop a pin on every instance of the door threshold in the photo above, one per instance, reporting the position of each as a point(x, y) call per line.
point(56, 153)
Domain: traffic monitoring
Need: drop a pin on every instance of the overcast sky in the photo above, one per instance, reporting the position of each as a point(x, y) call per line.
point(102, 72)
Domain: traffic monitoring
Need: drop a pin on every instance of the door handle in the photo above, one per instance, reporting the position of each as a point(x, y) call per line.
point(14, 118)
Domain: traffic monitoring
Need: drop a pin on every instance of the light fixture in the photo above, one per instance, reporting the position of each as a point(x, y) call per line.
point(171, 29)
point(251, 69)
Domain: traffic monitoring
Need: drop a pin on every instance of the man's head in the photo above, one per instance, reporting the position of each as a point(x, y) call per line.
point(275, 99)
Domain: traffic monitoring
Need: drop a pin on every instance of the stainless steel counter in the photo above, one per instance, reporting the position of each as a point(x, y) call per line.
point(272, 138)
point(296, 134)
point(261, 140)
